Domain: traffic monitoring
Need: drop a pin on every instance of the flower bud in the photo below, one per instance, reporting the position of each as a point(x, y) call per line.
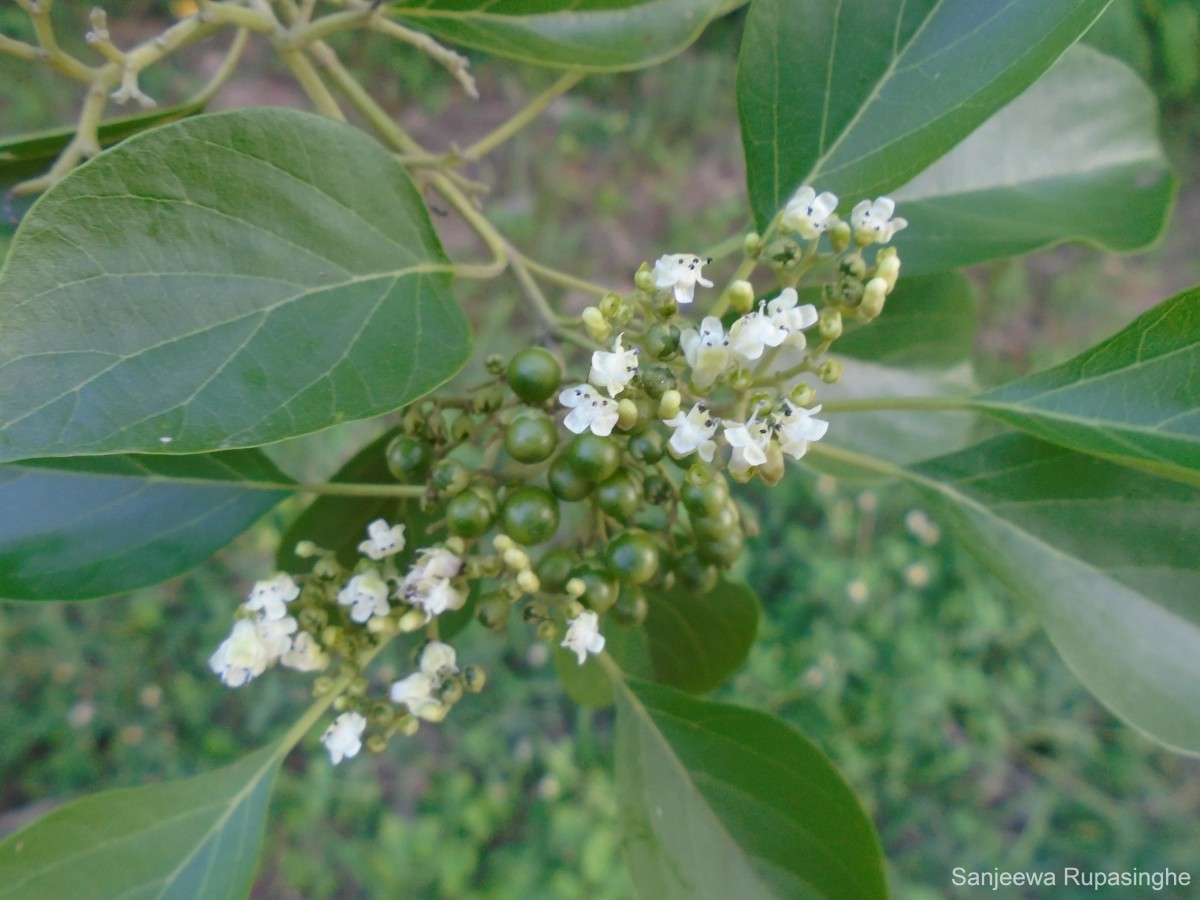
point(668, 404)
point(741, 380)
point(474, 678)
point(771, 472)
point(643, 279)
point(597, 326)
point(830, 324)
point(515, 559)
point(462, 429)
point(839, 236)
point(887, 267)
point(874, 293)
point(452, 693)
point(376, 744)
point(610, 305)
point(529, 582)
point(435, 427)
point(752, 245)
point(576, 587)
point(546, 631)
point(489, 399)
point(664, 305)
point(627, 414)
point(741, 296)
point(411, 621)
point(662, 341)
point(307, 549)
point(495, 364)
point(327, 567)
point(408, 725)
point(830, 371)
point(456, 545)
point(854, 265)
point(503, 542)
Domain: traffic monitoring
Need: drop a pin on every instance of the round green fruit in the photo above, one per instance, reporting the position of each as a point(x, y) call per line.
point(695, 575)
point(531, 439)
point(555, 568)
point(619, 496)
point(705, 500)
point(469, 514)
point(600, 587)
point(534, 375)
point(408, 459)
point(647, 447)
point(633, 557)
point(631, 607)
point(593, 457)
point(566, 483)
point(530, 515)
point(724, 550)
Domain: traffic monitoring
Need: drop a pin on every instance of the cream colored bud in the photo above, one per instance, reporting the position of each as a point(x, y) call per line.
point(741, 296)
point(668, 405)
point(888, 268)
point(516, 559)
point(529, 582)
point(830, 324)
point(576, 587)
point(610, 304)
point(433, 713)
point(572, 609)
point(627, 414)
point(874, 293)
point(839, 236)
point(307, 549)
point(409, 726)
point(596, 325)
point(503, 543)
point(411, 621)
point(830, 371)
point(752, 245)
point(456, 545)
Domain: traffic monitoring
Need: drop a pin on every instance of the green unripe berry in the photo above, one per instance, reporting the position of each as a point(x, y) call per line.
point(664, 305)
point(566, 483)
point(695, 575)
point(633, 557)
point(705, 500)
point(531, 438)
point(714, 525)
point(619, 496)
point(530, 515)
point(469, 514)
point(830, 371)
point(647, 447)
point(593, 457)
point(631, 607)
point(723, 550)
point(662, 341)
point(488, 399)
point(656, 490)
point(600, 588)
point(534, 375)
point(450, 477)
point(555, 568)
point(657, 380)
point(408, 459)
point(494, 610)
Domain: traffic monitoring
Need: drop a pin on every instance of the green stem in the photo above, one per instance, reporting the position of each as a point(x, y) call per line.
point(523, 117)
point(882, 404)
point(560, 278)
point(861, 460)
point(542, 307)
point(312, 84)
point(228, 65)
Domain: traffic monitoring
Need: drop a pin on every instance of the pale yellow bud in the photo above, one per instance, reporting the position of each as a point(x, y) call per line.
point(888, 268)
point(529, 582)
point(517, 560)
point(669, 403)
point(411, 621)
point(576, 587)
point(874, 293)
point(456, 545)
point(627, 414)
point(597, 326)
point(741, 296)
point(503, 542)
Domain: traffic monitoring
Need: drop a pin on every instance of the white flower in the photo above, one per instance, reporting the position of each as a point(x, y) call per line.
point(693, 432)
point(366, 595)
point(241, 656)
point(583, 635)
point(808, 213)
point(276, 636)
point(613, 371)
point(588, 410)
point(438, 660)
point(706, 351)
point(270, 598)
point(680, 271)
point(873, 222)
point(416, 693)
point(749, 443)
point(790, 318)
point(383, 540)
point(753, 332)
point(306, 655)
point(796, 427)
point(343, 739)
point(427, 584)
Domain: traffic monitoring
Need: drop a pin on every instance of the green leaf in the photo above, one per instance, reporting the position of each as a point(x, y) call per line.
point(697, 641)
point(1076, 157)
point(859, 96)
point(717, 801)
point(29, 155)
point(928, 322)
point(198, 839)
point(591, 35)
point(94, 526)
point(587, 684)
point(225, 281)
point(1132, 398)
point(1107, 554)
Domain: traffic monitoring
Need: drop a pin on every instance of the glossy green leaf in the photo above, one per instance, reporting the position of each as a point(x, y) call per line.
point(1107, 554)
point(1076, 157)
point(858, 96)
point(94, 526)
point(718, 801)
point(1134, 398)
point(587, 684)
point(198, 839)
point(225, 281)
point(593, 35)
point(697, 641)
point(928, 322)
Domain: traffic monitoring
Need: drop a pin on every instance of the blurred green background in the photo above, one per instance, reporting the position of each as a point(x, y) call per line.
point(936, 694)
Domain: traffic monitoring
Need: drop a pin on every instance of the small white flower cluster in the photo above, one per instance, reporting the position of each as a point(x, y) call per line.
point(419, 692)
point(810, 215)
point(343, 739)
point(611, 372)
point(266, 635)
point(787, 431)
point(680, 272)
point(780, 322)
